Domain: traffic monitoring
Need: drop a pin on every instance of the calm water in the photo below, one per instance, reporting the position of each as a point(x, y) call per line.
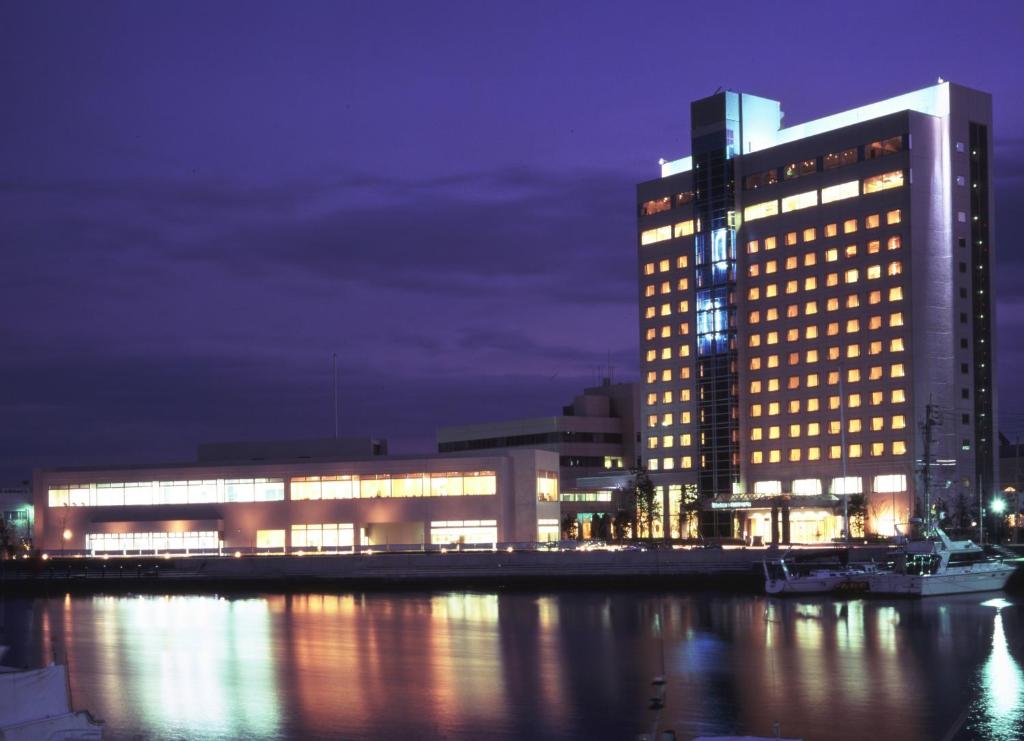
point(530, 666)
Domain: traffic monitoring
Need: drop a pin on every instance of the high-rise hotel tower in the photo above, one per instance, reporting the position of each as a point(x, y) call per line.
point(816, 314)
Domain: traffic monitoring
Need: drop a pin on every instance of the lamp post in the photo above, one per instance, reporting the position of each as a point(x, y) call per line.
point(998, 506)
point(64, 537)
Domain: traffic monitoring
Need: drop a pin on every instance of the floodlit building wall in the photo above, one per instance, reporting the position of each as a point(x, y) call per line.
point(384, 501)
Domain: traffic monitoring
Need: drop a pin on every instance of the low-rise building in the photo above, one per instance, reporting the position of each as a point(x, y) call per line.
point(278, 506)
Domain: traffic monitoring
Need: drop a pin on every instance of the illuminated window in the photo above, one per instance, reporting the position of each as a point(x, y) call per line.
point(773, 432)
point(832, 279)
point(774, 456)
point(684, 306)
point(873, 272)
point(884, 181)
point(849, 226)
point(768, 208)
point(652, 443)
point(666, 375)
point(896, 293)
point(812, 380)
point(811, 332)
point(753, 293)
point(652, 464)
point(853, 401)
point(772, 338)
point(792, 334)
point(899, 447)
point(840, 191)
point(832, 304)
point(755, 387)
point(872, 221)
point(894, 242)
point(668, 441)
point(682, 261)
point(791, 286)
point(665, 310)
point(791, 262)
point(876, 398)
point(773, 384)
point(833, 353)
point(852, 301)
point(835, 452)
point(649, 268)
point(814, 453)
point(839, 159)
point(773, 408)
point(790, 238)
point(853, 375)
point(833, 378)
point(753, 270)
point(755, 363)
point(752, 247)
point(883, 147)
point(792, 311)
point(810, 259)
point(794, 406)
point(874, 246)
point(652, 376)
point(899, 396)
point(666, 353)
point(773, 361)
point(831, 230)
point(683, 284)
point(831, 254)
point(853, 351)
point(771, 314)
point(811, 307)
point(771, 266)
point(895, 268)
point(896, 319)
point(875, 348)
point(683, 228)
point(832, 329)
point(896, 344)
point(852, 325)
point(897, 371)
point(664, 266)
point(769, 244)
point(899, 422)
point(799, 169)
point(893, 217)
point(800, 200)
point(856, 450)
point(813, 404)
point(875, 297)
point(811, 356)
point(851, 275)
point(649, 208)
point(853, 425)
point(810, 283)
point(659, 234)
point(684, 328)
point(810, 234)
point(756, 457)
point(755, 410)
point(755, 317)
point(771, 290)
point(649, 291)
point(875, 374)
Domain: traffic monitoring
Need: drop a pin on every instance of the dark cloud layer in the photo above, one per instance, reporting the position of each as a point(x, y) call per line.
point(200, 203)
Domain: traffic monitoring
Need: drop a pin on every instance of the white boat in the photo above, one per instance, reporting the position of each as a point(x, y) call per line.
point(35, 704)
point(938, 565)
point(780, 577)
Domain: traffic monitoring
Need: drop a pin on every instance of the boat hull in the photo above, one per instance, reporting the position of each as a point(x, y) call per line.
point(928, 585)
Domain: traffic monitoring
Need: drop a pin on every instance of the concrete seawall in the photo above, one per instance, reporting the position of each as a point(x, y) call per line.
point(726, 568)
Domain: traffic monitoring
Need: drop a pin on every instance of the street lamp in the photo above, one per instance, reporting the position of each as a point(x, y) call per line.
point(64, 537)
point(998, 506)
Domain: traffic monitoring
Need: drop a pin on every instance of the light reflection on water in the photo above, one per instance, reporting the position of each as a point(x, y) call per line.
point(530, 666)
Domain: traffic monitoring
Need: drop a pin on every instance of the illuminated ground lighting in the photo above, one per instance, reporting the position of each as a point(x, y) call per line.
point(238, 554)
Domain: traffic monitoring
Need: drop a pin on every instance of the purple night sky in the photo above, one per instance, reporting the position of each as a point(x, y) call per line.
point(200, 202)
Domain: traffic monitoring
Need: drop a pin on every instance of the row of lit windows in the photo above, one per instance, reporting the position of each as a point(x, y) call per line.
point(813, 404)
point(813, 380)
point(830, 161)
point(810, 332)
point(476, 483)
point(873, 247)
point(834, 352)
point(669, 441)
point(810, 282)
point(810, 198)
point(667, 419)
point(832, 427)
point(188, 540)
point(834, 452)
point(810, 234)
point(852, 301)
point(886, 483)
point(663, 266)
point(670, 464)
point(665, 287)
point(669, 231)
point(658, 205)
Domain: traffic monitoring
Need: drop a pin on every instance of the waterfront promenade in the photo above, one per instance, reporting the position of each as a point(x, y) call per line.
point(736, 567)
